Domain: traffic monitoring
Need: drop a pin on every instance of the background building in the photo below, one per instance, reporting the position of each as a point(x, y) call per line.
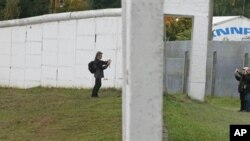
point(231, 28)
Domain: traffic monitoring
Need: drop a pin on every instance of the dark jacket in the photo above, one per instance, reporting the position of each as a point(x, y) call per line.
point(100, 66)
point(239, 77)
point(246, 79)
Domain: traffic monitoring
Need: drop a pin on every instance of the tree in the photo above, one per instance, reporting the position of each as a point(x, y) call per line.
point(11, 10)
point(178, 28)
point(101, 4)
point(74, 5)
point(34, 7)
point(2, 5)
point(231, 8)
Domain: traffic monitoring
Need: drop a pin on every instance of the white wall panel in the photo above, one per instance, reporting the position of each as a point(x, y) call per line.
point(86, 42)
point(66, 46)
point(107, 83)
point(4, 60)
point(34, 32)
point(119, 27)
point(82, 72)
point(17, 83)
point(4, 73)
point(106, 42)
point(33, 61)
point(67, 84)
point(66, 59)
point(5, 34)
point(67, 29)
point(17, 74)
point(66, 73)
point(19, 34)
point(49, 58)
point(49, 73)
point(33, 74)
point(56, 53)
point(50, 30)
point(106, 25)
point(30, 84)
point(84, 57)
point(18, 60)
point(33, 48)
point(50, 46)
point(5, 47)
point(18, 48)
point(84, 83)
point(86, 26)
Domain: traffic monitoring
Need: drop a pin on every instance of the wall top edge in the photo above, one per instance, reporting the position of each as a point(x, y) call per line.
point(116, 12)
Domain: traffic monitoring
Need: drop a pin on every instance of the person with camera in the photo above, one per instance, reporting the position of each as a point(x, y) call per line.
point(241, 87)
point(243, 76)
point(99, 74)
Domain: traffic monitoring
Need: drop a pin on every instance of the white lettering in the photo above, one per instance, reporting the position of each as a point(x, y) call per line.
point(240, 132)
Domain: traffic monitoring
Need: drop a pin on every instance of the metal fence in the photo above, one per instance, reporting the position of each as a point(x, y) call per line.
point(222, 59)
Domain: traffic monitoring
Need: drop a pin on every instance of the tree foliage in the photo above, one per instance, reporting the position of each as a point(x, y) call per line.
point(101, 4)
point(11, 10)
point(178, 28)
point(74, 5)
point(34, 7)
point(231, 8)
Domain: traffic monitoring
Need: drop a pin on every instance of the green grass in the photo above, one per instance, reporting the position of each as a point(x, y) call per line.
point(189, 120)
point(41, 114)
point(57, 114)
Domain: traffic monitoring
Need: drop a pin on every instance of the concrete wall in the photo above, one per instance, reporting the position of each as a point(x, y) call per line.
point(222, 59)
point(56, 54)
point(54, 50)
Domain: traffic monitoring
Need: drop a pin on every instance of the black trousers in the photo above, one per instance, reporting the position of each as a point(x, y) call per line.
point(98, 84)
point(242, 101)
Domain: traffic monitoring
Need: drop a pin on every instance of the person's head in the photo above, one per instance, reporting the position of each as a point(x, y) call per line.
point(98, 55)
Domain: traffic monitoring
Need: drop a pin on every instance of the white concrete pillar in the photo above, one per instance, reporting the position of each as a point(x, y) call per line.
point(200, 10)
point(143, 70)
point(198, 58)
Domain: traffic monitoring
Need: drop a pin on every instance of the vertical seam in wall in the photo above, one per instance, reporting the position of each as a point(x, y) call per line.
point(41, 71)
point(116, 50)
point(10, 59)
point(57, 52)
point(74, 81)
point(25, 53)
point(95, 49)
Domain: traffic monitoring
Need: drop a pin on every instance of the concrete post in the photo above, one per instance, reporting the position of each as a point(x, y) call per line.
point(143, 75)
point(200, 10)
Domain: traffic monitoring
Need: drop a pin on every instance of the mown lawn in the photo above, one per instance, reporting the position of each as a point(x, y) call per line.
point(57, 114)
point(41, 114)
point(189, 120)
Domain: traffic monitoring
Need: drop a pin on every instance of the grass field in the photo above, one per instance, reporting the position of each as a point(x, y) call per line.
point(189, 120)
point(42, 114)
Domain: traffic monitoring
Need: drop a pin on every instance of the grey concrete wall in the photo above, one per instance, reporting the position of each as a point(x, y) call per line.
point(222, 59)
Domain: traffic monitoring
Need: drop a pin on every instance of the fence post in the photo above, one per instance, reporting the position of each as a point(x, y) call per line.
point(186, 72)
point(213, 73)
point(245, 60)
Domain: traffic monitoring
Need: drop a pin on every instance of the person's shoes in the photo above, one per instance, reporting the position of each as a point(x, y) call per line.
point(242, 111)
point(96, 96)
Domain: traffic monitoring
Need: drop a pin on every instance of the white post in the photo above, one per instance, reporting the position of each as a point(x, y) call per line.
point(143, 70)
point(201, 11)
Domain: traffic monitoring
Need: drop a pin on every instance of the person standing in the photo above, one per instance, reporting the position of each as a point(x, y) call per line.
point(99, 74)
point(246, 79)
point(241, 87)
